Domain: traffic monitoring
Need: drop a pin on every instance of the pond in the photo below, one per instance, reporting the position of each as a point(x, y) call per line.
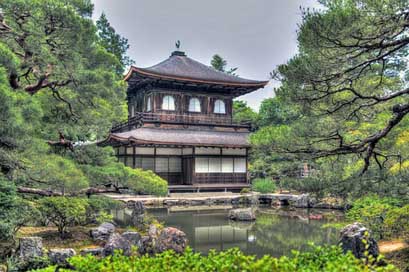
point(276, 232)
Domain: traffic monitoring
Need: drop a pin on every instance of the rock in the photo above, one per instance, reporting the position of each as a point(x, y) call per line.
point(136, 206)
point(30, 247)
point(145, 245)
point(92, 251)
point(153, 231)
point(60, 255)
point(352, 237)
point(133, 237)
point(301, 201)
point(102, 232)
point(117, 242)
point(160, 241)
point(247, 214)
point(275, 203)
point(171, 202)
point(172, 238)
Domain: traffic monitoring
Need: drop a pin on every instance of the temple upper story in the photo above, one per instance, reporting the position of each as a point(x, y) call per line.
point(181, 90)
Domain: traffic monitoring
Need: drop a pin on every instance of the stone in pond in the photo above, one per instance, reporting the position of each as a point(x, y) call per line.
point(30, 247)
point(358, 239)
point(102, 232)
point(242, 214)
point(60, 255)
point(159, 241)
point(117, 242)
point(171, 239)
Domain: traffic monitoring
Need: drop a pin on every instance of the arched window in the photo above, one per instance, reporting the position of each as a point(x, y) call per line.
point(168, 103)
point(194, 105)
point(148, 104)
point(219, 106)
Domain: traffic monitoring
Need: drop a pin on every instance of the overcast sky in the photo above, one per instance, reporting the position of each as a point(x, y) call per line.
point(253, 35)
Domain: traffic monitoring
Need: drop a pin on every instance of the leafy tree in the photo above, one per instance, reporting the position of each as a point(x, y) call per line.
point(113, 43)
point(277, 111)
point(56, 58)
point(220, 64)
point(349, 81)
point(63, 212)
point(243, 113)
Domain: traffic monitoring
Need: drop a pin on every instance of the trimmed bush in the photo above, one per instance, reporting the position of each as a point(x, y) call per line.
point(232, 260)
point(263, 185)
point(64, 212)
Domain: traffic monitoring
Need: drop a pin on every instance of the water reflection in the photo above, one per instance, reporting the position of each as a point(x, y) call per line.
point(275, 232)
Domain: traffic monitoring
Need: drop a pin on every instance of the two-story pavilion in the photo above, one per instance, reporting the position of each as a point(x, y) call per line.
point(180, 124)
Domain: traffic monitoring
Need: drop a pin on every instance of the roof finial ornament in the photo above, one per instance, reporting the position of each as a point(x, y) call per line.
point(177, 45)
point(177, 52)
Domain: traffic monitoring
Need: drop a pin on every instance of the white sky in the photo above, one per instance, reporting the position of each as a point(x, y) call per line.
point(253, 35)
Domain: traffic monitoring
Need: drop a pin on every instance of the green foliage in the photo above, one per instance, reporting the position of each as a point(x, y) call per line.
point(17, 265)
point(220, 64)
point(64, 212)
point(377, 213)
point(397, 222)
point(14, 211)
point(263, 185)
point(58, 173)
point(146, 182)
point(327, 107)
point(243, 113)
point(277, 111)
point(245, 191)
point(99, 207)
point(113, 43)
point(319, 259)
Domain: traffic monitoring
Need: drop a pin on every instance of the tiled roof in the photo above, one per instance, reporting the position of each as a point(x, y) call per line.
point(180, 67)
point(184, 137)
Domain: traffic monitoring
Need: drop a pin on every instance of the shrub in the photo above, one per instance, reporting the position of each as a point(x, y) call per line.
point(98, 209)
point(14, 211)
point(263, 185)
point(232, 260)
point(142, 181)
point(397, 222)
point(373, 211)
point(245, 191)
point(64, 212)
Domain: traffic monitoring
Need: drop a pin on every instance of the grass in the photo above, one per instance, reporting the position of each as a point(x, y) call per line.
point(78, 237)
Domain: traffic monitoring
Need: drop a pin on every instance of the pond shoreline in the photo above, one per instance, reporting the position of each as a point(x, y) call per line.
point(214, 199)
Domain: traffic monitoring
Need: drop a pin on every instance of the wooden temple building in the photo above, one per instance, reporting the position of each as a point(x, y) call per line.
point(180, 125)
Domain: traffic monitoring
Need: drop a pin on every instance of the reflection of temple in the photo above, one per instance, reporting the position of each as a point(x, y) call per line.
point(271, 234)
point(205, 230)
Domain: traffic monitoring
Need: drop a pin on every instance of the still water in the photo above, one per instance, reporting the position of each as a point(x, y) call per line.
point(275, 232)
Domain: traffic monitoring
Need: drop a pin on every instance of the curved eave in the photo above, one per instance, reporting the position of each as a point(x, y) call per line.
point(143, 72)
point(132, 140)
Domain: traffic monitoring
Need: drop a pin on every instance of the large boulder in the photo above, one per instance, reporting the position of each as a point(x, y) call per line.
point(133, 237)
point(171, 239)
point(102, 232)
point(117, 242)
point(59, 256)
point(159, 241)
point(358, 239)
point(247, 214)
point(30, 247)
